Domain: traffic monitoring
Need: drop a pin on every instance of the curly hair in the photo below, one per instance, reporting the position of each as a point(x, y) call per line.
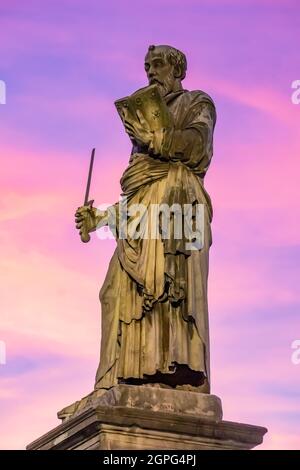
point(174, 57)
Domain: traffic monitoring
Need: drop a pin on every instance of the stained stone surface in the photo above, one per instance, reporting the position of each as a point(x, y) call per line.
point(129, 417)
point(150, 398)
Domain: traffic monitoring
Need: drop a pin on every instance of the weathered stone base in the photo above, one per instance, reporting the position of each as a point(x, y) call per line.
point(129, 417)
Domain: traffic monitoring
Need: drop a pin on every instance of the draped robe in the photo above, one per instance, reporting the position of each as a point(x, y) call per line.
point(154, 297)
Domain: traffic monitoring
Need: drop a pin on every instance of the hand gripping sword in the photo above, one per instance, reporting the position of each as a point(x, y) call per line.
point(84, 235)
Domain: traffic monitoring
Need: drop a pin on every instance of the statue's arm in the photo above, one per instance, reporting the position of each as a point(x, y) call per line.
point(91, 218)
point(191, 144)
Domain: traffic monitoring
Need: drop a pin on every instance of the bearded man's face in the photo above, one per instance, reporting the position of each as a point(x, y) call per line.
point(159, 71)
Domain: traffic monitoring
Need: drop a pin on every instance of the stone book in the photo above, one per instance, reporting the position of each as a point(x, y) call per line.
point(150, 103)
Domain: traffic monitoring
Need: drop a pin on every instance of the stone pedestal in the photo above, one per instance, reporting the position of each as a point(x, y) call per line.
point(129, 417)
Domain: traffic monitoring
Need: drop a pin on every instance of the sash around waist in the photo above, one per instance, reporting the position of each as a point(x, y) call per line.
point(143, 170)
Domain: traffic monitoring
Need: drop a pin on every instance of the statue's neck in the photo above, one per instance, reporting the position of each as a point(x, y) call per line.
point(177, 86)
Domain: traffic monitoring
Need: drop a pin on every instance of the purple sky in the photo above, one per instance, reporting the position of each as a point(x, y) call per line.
point(64, 64)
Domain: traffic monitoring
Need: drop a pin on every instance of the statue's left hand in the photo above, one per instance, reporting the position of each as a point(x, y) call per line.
point(139, 131)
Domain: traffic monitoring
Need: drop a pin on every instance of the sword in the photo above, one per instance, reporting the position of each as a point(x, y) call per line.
point(83, 233)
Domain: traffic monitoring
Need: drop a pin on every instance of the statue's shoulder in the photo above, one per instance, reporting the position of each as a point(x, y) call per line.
point(201, 97)
point(199, 101)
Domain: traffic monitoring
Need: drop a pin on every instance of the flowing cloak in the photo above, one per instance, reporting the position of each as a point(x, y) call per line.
point(154, 297)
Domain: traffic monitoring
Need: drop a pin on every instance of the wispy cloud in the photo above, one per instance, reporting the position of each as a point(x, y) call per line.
point(64, 65)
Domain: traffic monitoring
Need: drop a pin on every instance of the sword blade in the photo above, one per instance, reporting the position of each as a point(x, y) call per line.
point(87, 191)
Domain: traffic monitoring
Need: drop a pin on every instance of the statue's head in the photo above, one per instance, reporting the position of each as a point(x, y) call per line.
point(165, 66)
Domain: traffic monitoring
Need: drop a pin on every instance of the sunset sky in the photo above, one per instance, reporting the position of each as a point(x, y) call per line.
point(64, 63)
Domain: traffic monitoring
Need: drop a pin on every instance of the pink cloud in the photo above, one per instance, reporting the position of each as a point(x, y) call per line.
point(40, 394)
point(63, 71)
point(259, 98)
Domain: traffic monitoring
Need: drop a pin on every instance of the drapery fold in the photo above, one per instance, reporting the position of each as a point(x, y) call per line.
point(154, 298)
